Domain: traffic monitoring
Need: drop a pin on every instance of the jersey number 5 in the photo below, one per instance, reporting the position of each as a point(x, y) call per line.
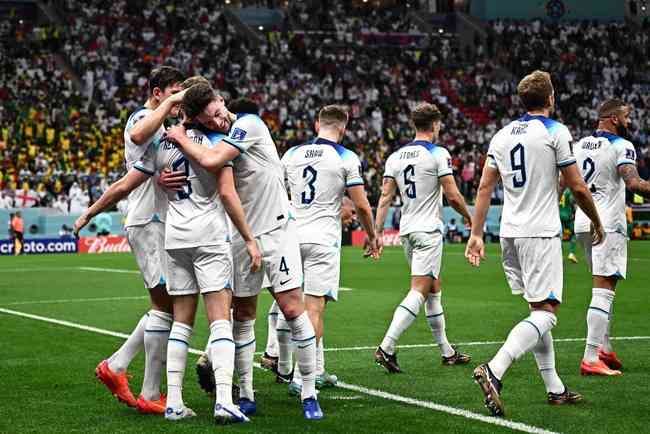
point(310, 174)
point(409, 181)
point(518, 164)
point(187, 191)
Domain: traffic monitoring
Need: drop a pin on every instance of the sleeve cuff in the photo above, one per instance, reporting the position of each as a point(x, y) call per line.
point(239, 148)
point(143, 170)
point(442, 173)
point(566, 163)
point(389, 176)
point(353, 183)
point(622, 162)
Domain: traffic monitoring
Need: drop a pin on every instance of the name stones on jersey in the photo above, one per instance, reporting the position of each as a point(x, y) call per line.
point(406, 155)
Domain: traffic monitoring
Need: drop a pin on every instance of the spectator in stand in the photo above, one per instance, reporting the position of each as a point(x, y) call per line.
point(18, 231)
point(61, 204)
point(6, 201)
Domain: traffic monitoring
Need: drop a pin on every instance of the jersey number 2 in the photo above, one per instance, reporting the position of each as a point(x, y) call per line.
point(409, 181)
point(187, 191)
point(518, 163)
point(311, 174)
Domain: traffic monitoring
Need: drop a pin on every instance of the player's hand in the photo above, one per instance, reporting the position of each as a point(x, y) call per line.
point(255, 255)
point(371, 248)
point(475, 250)
point(80, 223)
point(176, 98)
point(597, 234)
point(176, 133)
point(173, 181)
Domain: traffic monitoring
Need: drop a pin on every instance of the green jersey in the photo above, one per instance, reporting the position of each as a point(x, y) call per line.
point(566, 205)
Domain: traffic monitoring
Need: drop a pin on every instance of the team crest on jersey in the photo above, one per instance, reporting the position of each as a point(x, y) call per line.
point(238, 134)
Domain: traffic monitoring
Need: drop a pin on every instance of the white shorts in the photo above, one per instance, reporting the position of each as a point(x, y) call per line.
point(148, 246)
point(423, 252)
point(609, 258)
point(533, 267)
point(195, 270)
point(280, 262)
point(321, 267)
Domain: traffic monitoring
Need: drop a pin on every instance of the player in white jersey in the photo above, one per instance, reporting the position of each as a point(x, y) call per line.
point(198, 254)
point(421, 170)
point(145, 230)
point(528, 155)
point(607, 162)
point(318, 175)
point(259, 182)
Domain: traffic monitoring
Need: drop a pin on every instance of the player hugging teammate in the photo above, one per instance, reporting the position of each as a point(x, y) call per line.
point(220, 168)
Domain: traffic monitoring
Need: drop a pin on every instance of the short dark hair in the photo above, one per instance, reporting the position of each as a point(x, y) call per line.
point(244, 105)
point(197, 98)
point(163, 77)
point(423, 116)
point(611, 107)
point(535, 89)
point(333, 115)
point(195, 79)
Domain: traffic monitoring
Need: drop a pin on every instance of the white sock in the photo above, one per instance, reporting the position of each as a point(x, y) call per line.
point(607, 342)
point(272, 338)
point(121, 359)
point(244, 337)
point(159, 325)
point(222, 355)
point(436, 320)
point(522, 338)
point(297, 376)
point(545, 358)
point(179, 343)
point(285, 346)
point(302, 333)
point(597, 321)
point(320, 357)
point(403, 317)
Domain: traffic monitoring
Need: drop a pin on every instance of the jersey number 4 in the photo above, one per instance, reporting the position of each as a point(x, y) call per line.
point(518, 164)
point(409, 181)
point(187, 190)
point(310, 175)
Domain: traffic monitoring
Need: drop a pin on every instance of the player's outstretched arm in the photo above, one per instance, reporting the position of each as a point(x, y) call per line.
point(633, 181)
point(211, 159)
point(388, 190)
point(455, 199)
point(115, 193)
point(475, 250)
point(583, 198)
point(364, 212)
point(233, 206)
point(146, 127)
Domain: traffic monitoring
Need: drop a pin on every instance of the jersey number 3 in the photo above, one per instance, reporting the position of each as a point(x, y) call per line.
point(309, 174)
point(187, 190)
point(409, 181)
point(518, 164)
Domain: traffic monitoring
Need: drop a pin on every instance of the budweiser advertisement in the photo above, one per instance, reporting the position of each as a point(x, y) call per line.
point(391, 238)
point(107, 244)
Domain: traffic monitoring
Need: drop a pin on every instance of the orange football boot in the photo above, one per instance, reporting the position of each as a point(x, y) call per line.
point(597, 368)
point(118, 384)
point(152, 407)
point(610, 359)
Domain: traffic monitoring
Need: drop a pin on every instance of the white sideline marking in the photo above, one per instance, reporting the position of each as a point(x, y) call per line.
point(517, 426)
point(75, 300)
point(109, 270)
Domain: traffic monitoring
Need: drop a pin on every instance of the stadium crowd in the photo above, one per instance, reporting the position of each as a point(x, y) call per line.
point(56, 134)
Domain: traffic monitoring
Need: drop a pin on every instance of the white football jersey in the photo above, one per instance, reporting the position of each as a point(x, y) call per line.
point(147, 202)
point(196, 216)
point(599, 157)
point(416, 168)
point(259, 176)
point(528, 153)
point(317, 175)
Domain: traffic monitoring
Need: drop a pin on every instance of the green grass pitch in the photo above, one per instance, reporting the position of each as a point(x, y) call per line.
point(46, 370)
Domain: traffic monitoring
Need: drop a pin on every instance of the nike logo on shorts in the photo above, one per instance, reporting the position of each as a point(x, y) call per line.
point(284, 282)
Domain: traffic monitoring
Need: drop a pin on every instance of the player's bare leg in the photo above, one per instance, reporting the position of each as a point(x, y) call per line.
point(244, 312)
point(302, 332)
point(599, 357)
point(177, 349)
point(221, 350)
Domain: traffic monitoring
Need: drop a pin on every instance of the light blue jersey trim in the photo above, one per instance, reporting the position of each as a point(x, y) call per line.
point(143, 170)
point(566, 163)
point(241, 151)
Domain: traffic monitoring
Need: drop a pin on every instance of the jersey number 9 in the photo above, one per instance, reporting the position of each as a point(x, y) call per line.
point(518, 163)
